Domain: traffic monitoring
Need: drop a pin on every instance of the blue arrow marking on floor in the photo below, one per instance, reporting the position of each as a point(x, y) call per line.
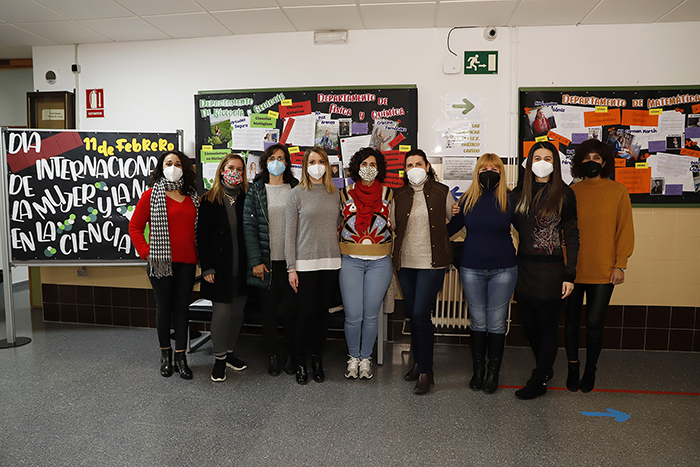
point(616, 414)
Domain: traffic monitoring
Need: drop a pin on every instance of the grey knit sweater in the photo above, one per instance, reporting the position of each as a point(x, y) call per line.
point(312, 221)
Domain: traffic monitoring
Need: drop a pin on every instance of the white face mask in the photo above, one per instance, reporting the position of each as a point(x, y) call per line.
point(542, 168)
point(172, 173)
point(417, 175)
point(316, 171)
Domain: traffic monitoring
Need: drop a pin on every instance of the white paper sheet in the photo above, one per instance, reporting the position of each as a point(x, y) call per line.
point(350, 145)
point(303, 130)
point(675, 170)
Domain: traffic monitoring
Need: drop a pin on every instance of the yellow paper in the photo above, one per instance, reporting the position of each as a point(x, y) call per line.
point(641, 165)
point(656, 111)
point(401, 173)
point(542, 138)
point(601, 109)
point(294, 150)
point(404, 147)
point(207, 147)
point(273, 114)
point(286, 102)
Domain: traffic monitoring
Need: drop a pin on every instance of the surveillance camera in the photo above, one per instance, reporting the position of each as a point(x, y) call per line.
point(490, 33)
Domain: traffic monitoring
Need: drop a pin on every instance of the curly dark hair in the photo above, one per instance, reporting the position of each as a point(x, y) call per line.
point(188, 172)
point(363, 154)
point(587, 147)
point(265, 174)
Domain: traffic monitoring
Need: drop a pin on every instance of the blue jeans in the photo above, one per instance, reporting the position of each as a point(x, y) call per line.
point(488, 293)
point(419, 288)
point(363, 284)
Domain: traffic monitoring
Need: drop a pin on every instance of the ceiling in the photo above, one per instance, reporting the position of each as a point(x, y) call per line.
point(27, 23)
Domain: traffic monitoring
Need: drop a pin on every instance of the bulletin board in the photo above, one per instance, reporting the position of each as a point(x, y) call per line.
point(341, 120)
point(71, 193)
point(654, 133)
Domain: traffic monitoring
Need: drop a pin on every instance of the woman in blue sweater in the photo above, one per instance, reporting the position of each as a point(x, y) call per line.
point(488, 266)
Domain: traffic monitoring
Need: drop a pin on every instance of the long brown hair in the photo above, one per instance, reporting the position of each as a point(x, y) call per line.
point(474, 192)
point(552, 193)
point(216, 193)
point(305, 181)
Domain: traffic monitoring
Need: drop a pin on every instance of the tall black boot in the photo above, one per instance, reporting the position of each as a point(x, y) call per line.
point(181, 365)
point(478, 345)
point(588, 380)
point(496, 342)
point(166, 362)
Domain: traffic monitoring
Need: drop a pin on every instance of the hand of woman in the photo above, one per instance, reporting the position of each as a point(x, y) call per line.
point(566, 289)
point(617, 276)
point(455, 209)
point(294, 280)
point(260, 270)
point(209, 278)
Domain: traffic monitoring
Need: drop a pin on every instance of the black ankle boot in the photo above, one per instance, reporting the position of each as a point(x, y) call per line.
point(302, 375)
point(478, 345)
point(425, 380)
point(588, 379)
point(289, 365)
point(317, 368)
point(531, 390)
point(572, 378)
point(274, 368)
point(412, 374)
point(496, 342)
point(166, 362)
point(181, 365)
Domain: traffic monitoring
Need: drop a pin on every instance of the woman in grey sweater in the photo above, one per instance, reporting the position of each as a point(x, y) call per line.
point(313, 257)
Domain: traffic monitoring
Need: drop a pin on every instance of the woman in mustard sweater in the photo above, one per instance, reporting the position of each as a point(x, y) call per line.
point(606, 242)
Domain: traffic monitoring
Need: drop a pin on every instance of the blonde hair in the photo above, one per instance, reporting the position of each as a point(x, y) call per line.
point(474, 192)
point(216, 193)
point(306, 182)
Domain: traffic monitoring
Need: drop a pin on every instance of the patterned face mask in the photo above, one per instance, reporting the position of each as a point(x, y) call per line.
point(368, 173)
point(233, 177)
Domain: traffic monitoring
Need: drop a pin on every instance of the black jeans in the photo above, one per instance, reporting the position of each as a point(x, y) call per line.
point(279, 293)
point(419, 288)
point(173, 294)
point(597, 300)
point(541, 321)
point(315, 292)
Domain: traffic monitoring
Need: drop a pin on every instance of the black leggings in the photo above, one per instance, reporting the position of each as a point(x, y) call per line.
point(541, 322)
point(279, 293)
point(315, 292)
point(597, 300)
point(173, 294)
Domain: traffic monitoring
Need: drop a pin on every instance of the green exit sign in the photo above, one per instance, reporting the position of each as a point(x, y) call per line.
point(483, 62)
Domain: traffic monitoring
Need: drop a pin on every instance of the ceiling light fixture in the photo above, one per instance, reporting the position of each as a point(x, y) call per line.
point(338, 36)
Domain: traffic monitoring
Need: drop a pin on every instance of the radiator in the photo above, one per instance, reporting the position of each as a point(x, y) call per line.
point(450, 305)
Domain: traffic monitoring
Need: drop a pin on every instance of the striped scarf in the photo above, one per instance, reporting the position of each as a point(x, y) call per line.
point(159, 257)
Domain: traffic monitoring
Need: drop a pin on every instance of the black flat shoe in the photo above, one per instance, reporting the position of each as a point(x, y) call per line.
point(425, 380)
point(317, 369)
point(302, 375)
point(412, 374)
point(274, 368)
point(289, 366)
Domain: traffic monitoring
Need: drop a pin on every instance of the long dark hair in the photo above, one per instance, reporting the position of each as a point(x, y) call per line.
point(553, 191)
point(287, 176)
point(188, 172)
point(363, 154)
point(418, 152)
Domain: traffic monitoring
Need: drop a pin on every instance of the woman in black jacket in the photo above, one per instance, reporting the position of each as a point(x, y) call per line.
point(263, 226)
point(222, 256)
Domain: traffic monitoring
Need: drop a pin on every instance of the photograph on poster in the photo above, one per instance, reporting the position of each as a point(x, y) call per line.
point(327, 134)
point(252, 166)
point(220, 130)
point(657, 186)
point(272, 136)
point(673, 142)
point(542, 120)
point(383, 132)
point(344, 127)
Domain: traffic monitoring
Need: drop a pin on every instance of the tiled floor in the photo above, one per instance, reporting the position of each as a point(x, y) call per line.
point(92, 395)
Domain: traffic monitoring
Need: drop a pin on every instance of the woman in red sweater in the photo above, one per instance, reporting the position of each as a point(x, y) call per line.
point(170, 208)
point(607, 241)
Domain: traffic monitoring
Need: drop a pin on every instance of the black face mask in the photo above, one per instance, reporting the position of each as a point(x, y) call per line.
point(489, 179)
point(591, 169)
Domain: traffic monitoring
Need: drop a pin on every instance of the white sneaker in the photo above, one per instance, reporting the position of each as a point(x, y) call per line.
point(351, 372)
point(366, 369)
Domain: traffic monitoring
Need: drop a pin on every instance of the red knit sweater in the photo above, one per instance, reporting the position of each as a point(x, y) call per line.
point(181, 217)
